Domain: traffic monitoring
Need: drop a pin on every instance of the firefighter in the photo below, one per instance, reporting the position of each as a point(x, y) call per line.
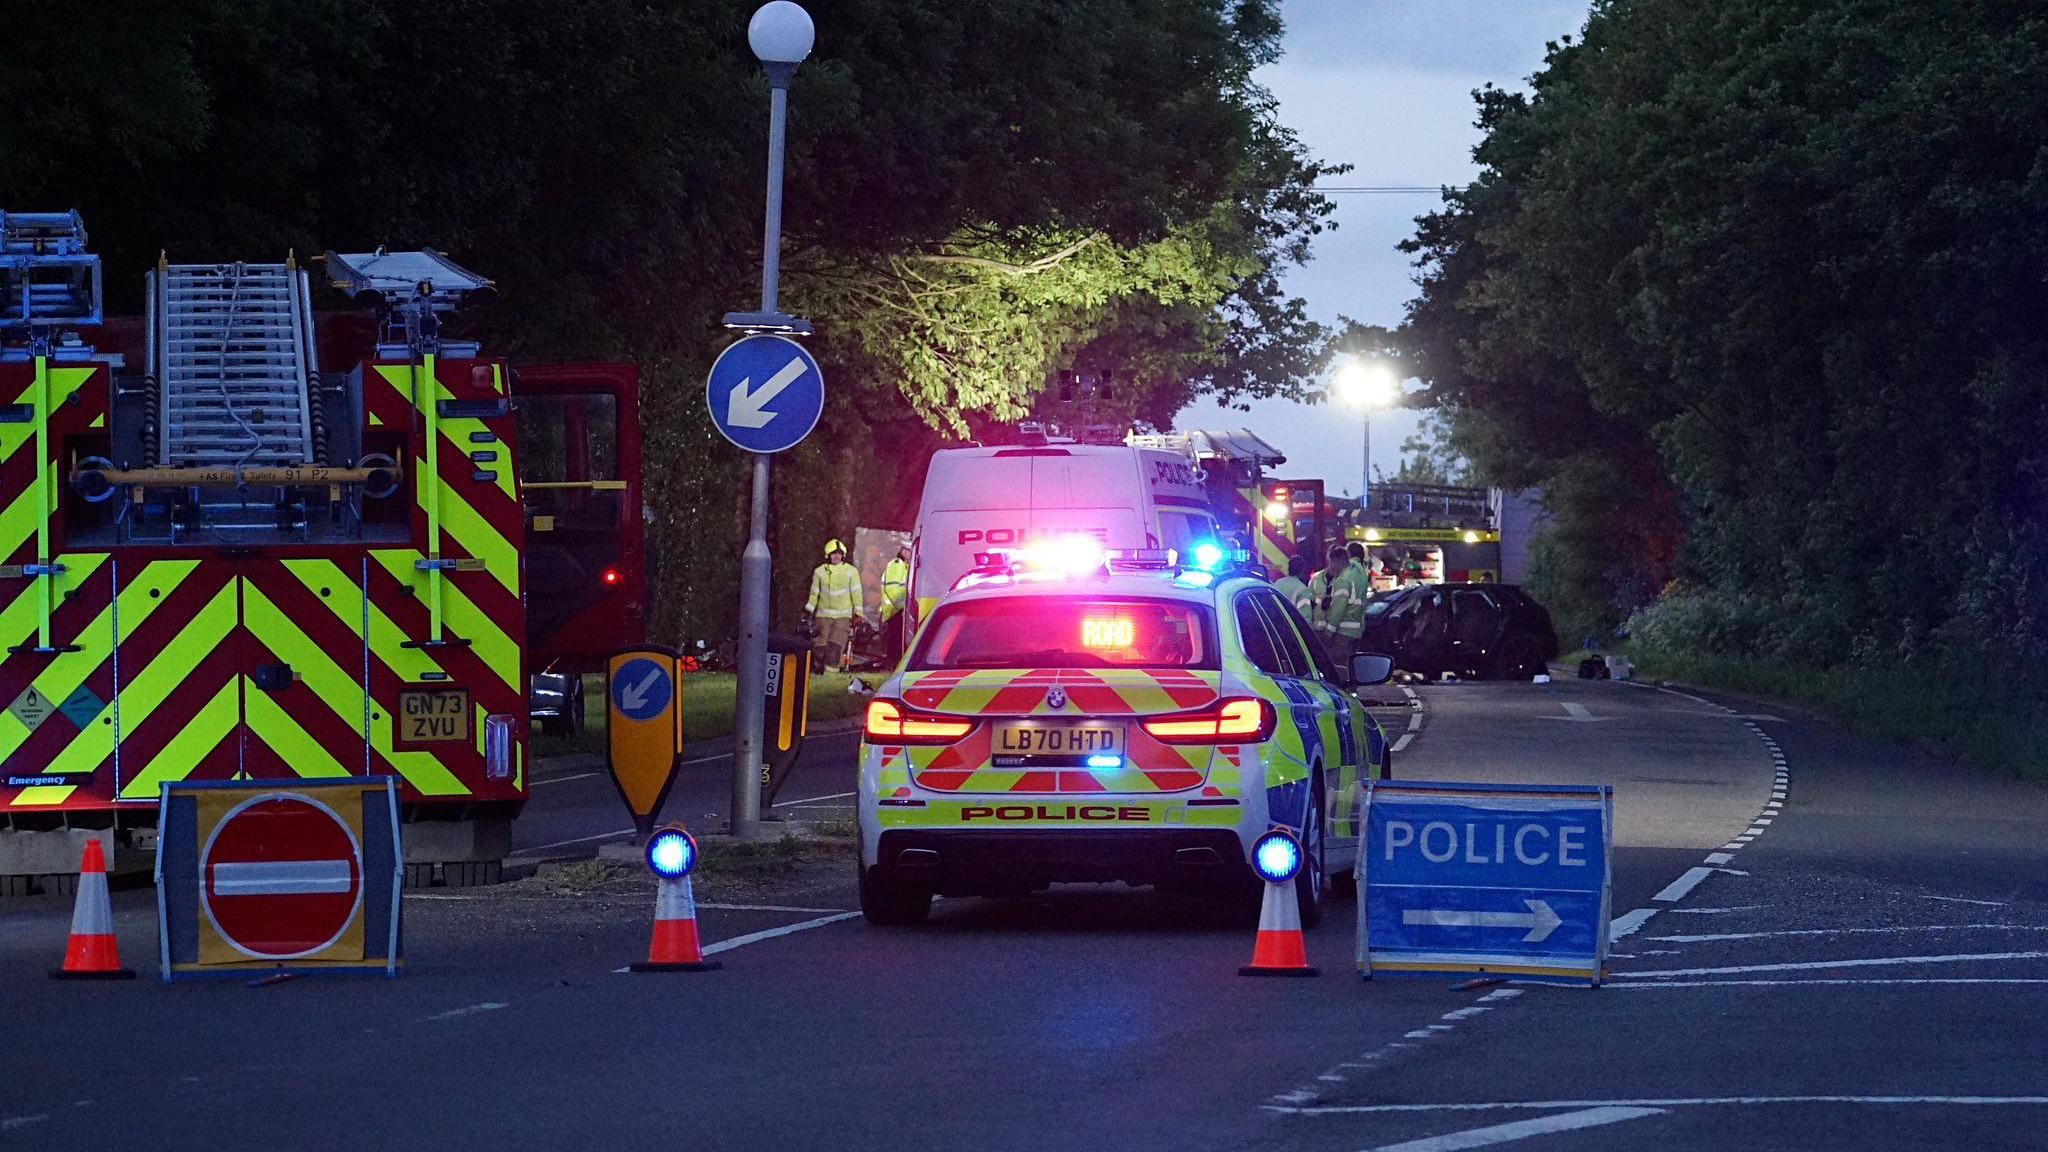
point(1336, 600)
point(835, 595)
point(1293, 586)
point(895, 594)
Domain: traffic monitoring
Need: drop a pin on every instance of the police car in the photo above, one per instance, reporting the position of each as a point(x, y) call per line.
point(1070, 714)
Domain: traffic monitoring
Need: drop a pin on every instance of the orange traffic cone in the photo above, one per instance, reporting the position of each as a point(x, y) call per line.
point(671, 855)
point(91, 953)
point(1280, 950)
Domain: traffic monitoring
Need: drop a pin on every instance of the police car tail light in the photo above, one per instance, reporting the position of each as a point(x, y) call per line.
point(889, 720)
point(1244, 719)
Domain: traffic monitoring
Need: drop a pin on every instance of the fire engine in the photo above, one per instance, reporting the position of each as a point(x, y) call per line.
point(228, 562)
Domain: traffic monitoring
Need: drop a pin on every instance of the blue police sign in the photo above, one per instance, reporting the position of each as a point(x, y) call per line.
point(765, 393)
point(1501, 878)
point(641, 689)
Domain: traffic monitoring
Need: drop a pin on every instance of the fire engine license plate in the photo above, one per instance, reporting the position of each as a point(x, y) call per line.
point(433, 717)
point(1057, 739)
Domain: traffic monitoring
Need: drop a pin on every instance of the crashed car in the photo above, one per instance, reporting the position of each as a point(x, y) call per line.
point(1468, 630)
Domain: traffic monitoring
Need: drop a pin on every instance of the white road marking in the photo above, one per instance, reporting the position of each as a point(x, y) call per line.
point(539, 848)
point(1521, 1130)
point(1960, 900)
point(772, 933)
point(1827, 982)
point(1700, 939)
point(813, 800)
point(1666, 1102)
point(1719, 857)
point(1402, 743)
point(1682, 887)
point(1712, 911)
point(561, 779)
point(1627, 923)
point(1415, 722)
point(763, 908)
point(1501, 994)
point(1817, 965)
point(705, 759)
point(456, 1013)
point(10, 1123)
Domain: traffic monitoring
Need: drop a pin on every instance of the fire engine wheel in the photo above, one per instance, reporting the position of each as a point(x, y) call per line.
point(888, 903)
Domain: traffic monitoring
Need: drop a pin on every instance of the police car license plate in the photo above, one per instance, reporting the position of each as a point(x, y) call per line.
point(1057, 739)
point(430, 717)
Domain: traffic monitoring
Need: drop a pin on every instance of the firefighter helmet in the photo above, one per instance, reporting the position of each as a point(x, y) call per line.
point(832, 546)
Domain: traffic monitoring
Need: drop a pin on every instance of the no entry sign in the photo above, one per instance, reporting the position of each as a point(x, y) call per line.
point(282, 878)
point(302, 875)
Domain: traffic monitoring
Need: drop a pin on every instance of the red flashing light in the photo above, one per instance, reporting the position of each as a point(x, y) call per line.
point(610, 577)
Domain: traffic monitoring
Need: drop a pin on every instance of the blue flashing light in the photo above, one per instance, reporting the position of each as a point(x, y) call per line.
point(671, 853)
point(1104, 760)
point(1208, 555)
point(1276, 856)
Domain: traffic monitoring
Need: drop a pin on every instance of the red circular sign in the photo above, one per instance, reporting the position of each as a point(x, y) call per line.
point(281, 877)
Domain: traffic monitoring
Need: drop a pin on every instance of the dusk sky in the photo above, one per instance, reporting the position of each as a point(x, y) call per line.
point(1386, 86)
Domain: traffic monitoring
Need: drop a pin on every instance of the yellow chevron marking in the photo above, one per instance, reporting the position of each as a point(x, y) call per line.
point(141, 695)
point(67, 670)
point(332, 684)
point(43, 795)
point(99, 421)
point(200, 735)
point(63, 382)
point(458, 518)
point(486, 639)
point(18, 618)
point(299, 750)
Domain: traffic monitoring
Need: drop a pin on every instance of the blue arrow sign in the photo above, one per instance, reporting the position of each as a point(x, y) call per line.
point(1486, 878)
point(766, 393)
point(641, 689)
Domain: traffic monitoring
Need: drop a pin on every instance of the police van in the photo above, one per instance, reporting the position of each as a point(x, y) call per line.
point(979, 500)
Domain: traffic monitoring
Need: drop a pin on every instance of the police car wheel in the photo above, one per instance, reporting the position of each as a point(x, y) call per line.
point(887, 903)
point(1309, 883)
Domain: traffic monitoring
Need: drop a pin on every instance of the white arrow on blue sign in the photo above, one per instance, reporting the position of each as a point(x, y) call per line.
point(765, 393)
point(1503, 878)
point(641, 689)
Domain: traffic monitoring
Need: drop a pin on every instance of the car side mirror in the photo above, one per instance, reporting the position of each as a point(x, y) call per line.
point(1370, 668)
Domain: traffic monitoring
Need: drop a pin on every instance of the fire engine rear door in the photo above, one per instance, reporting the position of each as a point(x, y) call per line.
point(304, 666)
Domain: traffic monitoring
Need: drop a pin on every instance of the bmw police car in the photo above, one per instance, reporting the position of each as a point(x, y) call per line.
point(1071, 714)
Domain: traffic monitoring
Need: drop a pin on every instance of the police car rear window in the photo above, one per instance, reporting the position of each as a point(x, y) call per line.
point(1068, 632)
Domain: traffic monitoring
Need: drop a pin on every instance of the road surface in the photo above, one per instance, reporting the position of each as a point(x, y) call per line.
point(1830, 944)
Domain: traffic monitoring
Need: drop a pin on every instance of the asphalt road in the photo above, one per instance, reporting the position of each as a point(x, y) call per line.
point(1849, 953)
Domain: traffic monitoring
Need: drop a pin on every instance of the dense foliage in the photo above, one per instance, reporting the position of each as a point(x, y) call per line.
point(1753, 290)
point(979, 194)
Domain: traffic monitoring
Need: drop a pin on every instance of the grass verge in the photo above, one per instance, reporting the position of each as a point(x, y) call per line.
point(1985, 722)
point(709, 699)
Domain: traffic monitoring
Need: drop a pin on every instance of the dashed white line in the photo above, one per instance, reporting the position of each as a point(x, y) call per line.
point(536, 783)
point(764, 908)
point(1702, 938)
point(10, 1123)
point(1961, 900)
point(1415, 722)
point(1828, 982)
point(1719, 857)
point(1627, 923)
point(1664, 1102)
point(813, 800)
point(1521, 1130)
point(1682, 887)
point(539, 848)
point(1818, 965)
point(1402, 743)
point(457, 1013)
point(1499, 994)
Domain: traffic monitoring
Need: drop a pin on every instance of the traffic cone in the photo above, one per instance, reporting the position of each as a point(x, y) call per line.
point(675, 947)
point(1280, 950)
point(91, 953)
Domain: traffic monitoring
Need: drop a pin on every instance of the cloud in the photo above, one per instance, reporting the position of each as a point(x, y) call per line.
point(1500, 38)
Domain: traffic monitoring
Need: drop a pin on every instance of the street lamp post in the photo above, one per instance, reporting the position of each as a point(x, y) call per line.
point(1368, 384)
point(781, 35)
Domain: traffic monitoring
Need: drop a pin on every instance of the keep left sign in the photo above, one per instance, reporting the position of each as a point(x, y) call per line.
point(1506, 879)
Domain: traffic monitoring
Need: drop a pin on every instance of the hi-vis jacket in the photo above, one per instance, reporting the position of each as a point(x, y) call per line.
point(895, 587)
point(835, 592)
point(1338, 608)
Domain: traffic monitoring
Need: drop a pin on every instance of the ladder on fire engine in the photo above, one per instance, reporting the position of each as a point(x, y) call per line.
point(232, 351)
